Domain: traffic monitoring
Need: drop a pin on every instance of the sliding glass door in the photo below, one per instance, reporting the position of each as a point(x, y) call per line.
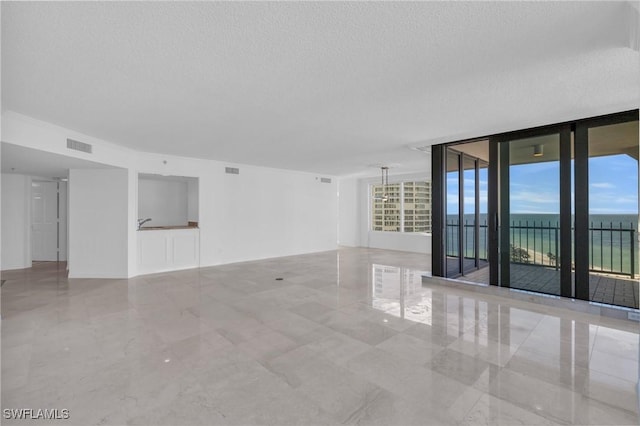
point(454, 258)
point(529, 212)
point(465, 226)
point(606, 160)
point(552, 210)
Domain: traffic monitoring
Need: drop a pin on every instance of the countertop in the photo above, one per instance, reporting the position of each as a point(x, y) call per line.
point(164, 228)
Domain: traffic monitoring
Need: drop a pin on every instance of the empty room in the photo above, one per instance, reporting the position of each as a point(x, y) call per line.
point(320, 213)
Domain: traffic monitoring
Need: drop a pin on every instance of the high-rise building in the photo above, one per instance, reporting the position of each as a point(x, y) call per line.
point(402, 206)
point(417, 206)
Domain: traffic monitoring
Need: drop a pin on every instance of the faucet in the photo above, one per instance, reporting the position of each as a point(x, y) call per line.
point(142, 222)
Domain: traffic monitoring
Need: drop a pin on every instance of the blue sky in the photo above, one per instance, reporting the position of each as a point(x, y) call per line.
point(613, 185)
point(535, 188)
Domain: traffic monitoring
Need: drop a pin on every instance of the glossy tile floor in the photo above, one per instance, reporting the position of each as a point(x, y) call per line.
point(347, 337)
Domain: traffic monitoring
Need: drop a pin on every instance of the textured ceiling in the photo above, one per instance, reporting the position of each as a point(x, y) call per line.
point(324, 87)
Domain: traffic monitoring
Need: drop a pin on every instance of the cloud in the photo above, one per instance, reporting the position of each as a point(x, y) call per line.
point(628, 199)
point(536, 197)
point(533, 209)
point(610, 198)
point(472, 200)
point(603, 185)
point(612, 211)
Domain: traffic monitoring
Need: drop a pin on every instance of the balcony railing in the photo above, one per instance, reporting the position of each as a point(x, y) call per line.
point(612, 246)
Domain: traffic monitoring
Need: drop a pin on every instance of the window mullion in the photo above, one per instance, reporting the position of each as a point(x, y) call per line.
point(401, 206)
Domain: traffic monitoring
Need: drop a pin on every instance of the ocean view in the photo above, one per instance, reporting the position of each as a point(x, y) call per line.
point(535, 237)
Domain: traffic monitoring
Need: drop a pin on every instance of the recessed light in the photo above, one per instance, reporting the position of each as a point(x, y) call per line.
point(538, 150)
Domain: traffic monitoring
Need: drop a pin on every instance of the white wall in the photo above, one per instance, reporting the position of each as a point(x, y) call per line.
point(16, 222)
point(19, 129)
point(98, 216)
point(164, 201)
point(193, 199)
point(260, 213)
point(349, 213)
point(132, 222)
point(1, 204)
point(414, 242)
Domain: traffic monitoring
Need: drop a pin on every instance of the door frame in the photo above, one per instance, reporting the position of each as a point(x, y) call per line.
point(61, 217)
point(496, 177)
point(499, 203)
point(440, 220)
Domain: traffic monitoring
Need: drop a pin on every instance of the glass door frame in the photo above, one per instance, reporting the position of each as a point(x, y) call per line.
point(581, 154)
point(574, 268)
point(499, 206)
point(462, 160)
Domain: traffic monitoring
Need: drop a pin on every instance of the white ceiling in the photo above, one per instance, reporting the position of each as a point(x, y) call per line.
point(326, 87)
point(34, 162)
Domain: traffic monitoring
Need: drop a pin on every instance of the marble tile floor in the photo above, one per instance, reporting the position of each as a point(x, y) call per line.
point(350, 336)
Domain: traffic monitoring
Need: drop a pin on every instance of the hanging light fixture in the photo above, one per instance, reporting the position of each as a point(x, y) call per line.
point(384, 178)
point(538, 150)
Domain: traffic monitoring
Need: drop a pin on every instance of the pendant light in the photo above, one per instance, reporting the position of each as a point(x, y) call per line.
point(384, 178)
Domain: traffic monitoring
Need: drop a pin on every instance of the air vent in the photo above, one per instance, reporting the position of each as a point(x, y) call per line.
point(79, 146)
point(232, 170)
point(426, 149)
point(325, 180)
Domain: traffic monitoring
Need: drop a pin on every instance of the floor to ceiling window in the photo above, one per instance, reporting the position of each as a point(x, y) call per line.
point(454, 259)
point(559, 210)
point(529, 213)
point(612, 170)
point(466, 208)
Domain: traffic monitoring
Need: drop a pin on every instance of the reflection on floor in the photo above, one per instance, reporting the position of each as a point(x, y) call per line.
point(349, 336)
point(610, 289)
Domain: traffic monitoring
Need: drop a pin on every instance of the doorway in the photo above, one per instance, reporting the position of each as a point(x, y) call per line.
point(48, 220)
point(533, 208)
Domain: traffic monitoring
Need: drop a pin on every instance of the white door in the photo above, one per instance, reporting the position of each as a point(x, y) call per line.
point(44, 221)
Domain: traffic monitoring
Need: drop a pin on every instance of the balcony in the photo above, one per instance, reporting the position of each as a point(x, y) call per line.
point(535, 258)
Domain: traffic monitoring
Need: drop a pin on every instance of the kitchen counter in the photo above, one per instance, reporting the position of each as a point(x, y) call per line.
point(157, 228)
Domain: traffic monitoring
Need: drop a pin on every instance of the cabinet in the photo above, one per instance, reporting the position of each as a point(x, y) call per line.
point(162, 250)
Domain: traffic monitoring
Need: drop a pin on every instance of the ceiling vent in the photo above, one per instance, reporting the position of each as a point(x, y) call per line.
point(426, 149)
point(232, 170)
point(79, 146)
point(325, 180)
